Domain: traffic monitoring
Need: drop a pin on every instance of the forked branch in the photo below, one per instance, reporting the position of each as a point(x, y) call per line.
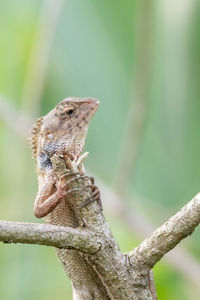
point(166, 237)
point(123, 277)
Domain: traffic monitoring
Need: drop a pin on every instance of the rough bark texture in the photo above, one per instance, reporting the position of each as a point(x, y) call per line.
point(87, 285)
point(165, 238)
point(49, 235)
point(124, 276)
point(112, 266)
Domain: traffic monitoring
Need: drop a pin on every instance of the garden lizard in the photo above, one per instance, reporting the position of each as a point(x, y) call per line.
point(62, 132)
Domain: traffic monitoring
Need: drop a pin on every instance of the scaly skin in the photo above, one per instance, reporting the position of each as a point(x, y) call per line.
point(62, 132)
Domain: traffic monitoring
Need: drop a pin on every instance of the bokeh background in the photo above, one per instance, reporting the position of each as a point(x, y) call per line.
point(141, 59)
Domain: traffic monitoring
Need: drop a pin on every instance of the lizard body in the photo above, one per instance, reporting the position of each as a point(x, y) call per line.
point(62, 132)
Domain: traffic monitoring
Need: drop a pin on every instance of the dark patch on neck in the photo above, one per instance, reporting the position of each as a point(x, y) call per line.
point(44, 161)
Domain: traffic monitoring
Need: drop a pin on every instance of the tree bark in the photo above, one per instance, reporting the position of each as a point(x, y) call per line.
point(125, 276)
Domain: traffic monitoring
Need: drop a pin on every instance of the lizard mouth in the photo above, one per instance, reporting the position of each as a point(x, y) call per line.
point(93, 101)
point(87, 114)
point(93, 104)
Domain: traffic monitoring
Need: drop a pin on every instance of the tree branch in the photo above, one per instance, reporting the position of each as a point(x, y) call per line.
point(49, 235)
point(179, 259)
point(165, 238)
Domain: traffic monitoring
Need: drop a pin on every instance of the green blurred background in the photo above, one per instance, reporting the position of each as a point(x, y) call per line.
point(141, 60)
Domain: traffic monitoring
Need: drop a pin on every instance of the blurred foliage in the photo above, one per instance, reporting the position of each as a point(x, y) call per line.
point(93, 54)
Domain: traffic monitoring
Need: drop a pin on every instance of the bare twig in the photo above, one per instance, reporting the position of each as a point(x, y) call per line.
point(40, 54)
point(48, 235)
point(165, 238)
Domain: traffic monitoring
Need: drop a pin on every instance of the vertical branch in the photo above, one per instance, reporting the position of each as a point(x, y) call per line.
point(40, 54)
point(138, 111)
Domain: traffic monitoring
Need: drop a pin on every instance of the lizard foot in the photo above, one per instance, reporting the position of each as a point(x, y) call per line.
point(62, 190)
point(95, 196)
point(64, 181)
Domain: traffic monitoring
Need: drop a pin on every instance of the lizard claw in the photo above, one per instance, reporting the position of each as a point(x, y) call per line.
point(76, 165)
point(82, 158)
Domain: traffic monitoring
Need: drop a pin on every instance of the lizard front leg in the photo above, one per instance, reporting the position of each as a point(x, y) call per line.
point(49, 195)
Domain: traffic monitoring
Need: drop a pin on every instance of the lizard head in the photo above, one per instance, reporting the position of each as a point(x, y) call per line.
point(64, 128)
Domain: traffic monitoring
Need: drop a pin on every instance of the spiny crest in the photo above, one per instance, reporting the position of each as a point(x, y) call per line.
point(35, 134)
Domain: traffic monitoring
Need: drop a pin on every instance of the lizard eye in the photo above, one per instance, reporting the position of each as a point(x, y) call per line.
point(70, 111)
point(63, 111)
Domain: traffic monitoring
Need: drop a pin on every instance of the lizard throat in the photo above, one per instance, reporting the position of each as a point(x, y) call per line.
point(71, 146)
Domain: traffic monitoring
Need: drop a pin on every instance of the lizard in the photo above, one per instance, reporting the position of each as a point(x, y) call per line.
point(62, 132)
